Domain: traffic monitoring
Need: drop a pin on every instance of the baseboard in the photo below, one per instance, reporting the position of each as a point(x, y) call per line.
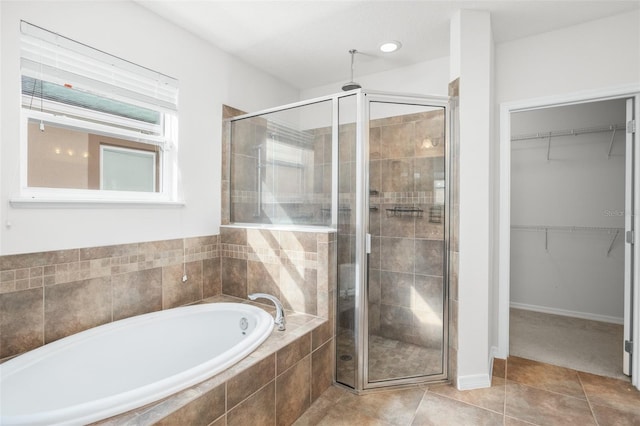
point(496, 352)
point(567, 313)
point(493, 353)
point(475, 381)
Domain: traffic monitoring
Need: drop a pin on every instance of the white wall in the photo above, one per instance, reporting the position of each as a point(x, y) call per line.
point(208, 78)
point(593, 55)
point(472, 58)
point(581, 185)
point(580, 60)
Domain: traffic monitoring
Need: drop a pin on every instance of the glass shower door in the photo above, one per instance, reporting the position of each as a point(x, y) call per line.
point(406, 297)
point(391, 307)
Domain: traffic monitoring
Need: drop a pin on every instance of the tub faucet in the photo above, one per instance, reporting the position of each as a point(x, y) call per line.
point(280, 320)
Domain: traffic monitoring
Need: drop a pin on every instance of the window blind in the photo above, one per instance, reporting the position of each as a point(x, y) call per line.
point(51, 57)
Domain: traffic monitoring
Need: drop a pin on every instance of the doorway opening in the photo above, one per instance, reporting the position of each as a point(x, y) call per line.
point(567, 234)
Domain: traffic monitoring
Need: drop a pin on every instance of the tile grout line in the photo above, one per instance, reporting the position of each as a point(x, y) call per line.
point(519, 420)
point(504, 402)
point(451, 398)
point(593, 414)
point(415, 413)
point(506, 374)
point(549, 391)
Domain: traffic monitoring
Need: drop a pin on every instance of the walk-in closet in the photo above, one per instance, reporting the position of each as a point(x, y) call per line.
point(568, 213)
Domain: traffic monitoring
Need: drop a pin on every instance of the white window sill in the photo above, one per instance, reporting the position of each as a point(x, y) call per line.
point(52, 203)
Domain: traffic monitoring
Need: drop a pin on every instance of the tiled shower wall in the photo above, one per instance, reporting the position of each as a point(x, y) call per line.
point(405, 272)
point(454, 226)
point(50, 295)
point(293, 266)
point(300, 195)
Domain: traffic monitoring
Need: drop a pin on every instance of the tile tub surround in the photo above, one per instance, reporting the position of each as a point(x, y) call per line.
point(294, 266)
point(274, 385)
point(50, 295)
point(46, 296)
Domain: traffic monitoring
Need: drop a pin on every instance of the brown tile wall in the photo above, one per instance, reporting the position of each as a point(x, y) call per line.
point(291, 265)
point(454, 248)
point(50, 295)
point(227, 112)
point(405, 273)
point(239, 173)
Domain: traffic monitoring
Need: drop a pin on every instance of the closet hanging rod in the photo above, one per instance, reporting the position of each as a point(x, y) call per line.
point(570, 132)
point(565, 228)
point(546, 229)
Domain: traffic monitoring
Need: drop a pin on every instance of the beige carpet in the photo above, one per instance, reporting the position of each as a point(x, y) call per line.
point(584, 345)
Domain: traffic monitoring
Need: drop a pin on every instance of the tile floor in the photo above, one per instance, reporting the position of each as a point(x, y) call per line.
point(523, 392)
point(388, 358)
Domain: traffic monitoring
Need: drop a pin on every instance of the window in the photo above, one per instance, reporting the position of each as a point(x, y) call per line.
point(95, 127)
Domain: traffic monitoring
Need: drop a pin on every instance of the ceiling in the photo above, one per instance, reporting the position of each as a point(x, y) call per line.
point(307, 43)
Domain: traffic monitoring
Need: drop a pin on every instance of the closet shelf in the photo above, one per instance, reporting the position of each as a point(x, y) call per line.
point(546, 229)
point(613, 128)
point(569, 132)
point(564, 228)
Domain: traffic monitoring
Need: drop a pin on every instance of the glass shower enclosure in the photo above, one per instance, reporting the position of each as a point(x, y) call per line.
point(374, 167)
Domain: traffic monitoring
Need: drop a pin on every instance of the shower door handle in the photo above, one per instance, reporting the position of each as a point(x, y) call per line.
point(368, 244)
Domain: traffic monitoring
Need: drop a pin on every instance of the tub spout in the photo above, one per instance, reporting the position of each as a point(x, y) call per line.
point(280, 320)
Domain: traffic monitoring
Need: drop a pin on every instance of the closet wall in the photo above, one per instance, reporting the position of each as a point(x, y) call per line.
point(573, 181)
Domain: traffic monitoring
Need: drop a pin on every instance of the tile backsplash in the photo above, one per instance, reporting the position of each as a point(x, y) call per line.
point(292, 265)
point(50, 295)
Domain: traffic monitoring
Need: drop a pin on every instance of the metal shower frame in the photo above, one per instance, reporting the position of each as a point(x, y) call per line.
point(362, 236)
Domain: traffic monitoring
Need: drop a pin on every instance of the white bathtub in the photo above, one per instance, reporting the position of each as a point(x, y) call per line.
point(126, 364)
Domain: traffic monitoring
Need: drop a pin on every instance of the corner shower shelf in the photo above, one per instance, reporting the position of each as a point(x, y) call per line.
point(611, 231)
point(404, 211)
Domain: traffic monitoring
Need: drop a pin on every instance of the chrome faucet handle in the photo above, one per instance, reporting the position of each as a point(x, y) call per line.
point(280, 320)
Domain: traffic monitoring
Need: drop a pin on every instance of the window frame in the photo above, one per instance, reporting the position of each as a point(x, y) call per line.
point(152, 155)
point(108, 77)
point(61, 197)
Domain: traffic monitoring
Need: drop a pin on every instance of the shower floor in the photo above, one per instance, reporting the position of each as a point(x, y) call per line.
point(388, 359)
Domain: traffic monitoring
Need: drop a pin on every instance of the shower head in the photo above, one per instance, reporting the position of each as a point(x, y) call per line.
point(351, 85)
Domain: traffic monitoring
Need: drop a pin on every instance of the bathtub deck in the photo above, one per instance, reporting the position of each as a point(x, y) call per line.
point(182, 404)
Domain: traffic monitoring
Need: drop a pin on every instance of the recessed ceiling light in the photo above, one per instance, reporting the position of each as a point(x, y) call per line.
point(390, 46)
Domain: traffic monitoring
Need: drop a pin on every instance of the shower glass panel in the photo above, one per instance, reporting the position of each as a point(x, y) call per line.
point(346, 345)
point(281, 166)
point(372, 167)
point(406, 267)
